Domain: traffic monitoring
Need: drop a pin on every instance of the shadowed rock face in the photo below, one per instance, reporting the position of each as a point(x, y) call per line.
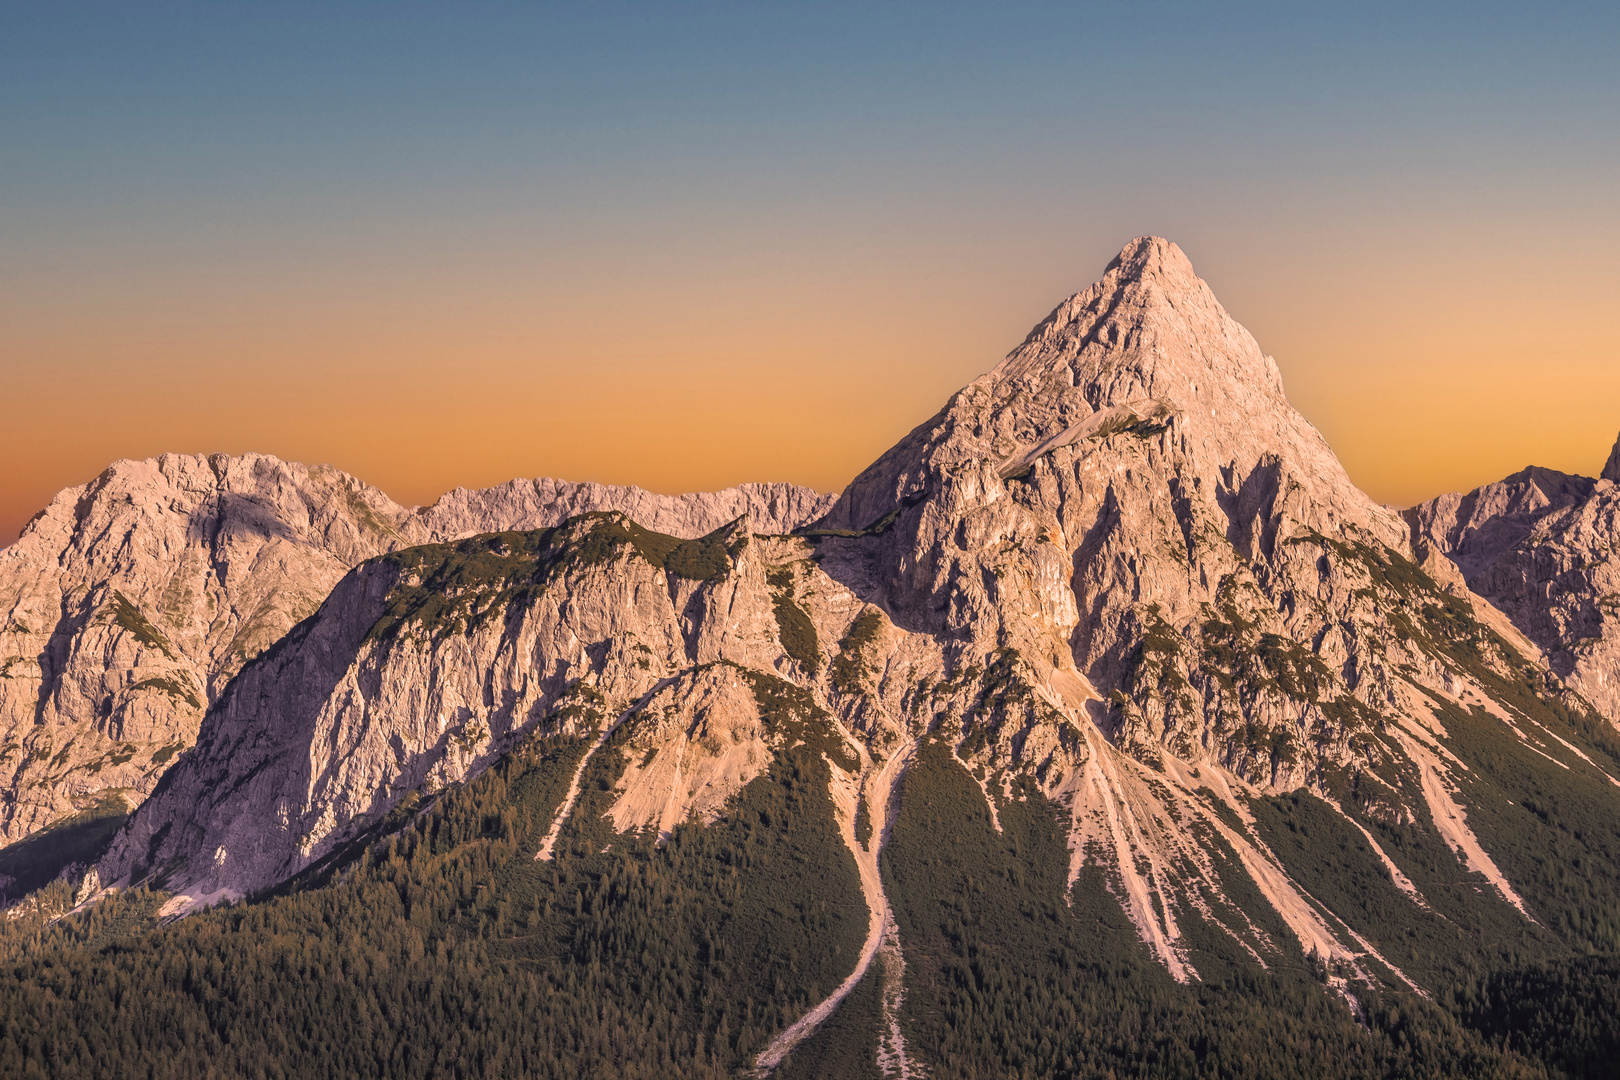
point(1119, 567)
point(1473, 530)
point(1541, 546)
point(128, 604)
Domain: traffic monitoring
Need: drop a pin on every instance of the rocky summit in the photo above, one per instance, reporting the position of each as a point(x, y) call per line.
point(1101, 726)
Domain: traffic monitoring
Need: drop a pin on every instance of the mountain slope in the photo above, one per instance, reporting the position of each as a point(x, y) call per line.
point(425, 665)
point(129, 603)
point(1173, 601)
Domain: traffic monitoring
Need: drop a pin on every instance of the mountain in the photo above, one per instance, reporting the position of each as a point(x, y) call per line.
point(1179, 602)
point(424, 666)
point(128, 604)
point(1541, 545)
point(1100, 727)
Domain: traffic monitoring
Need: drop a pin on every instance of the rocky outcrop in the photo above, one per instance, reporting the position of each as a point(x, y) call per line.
point(129, 603)
point(1541, 546)
point(1474, 530)
point(1151, 571)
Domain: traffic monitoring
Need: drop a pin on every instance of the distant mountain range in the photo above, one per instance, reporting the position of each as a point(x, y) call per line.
point(1100, 727)
point(128, 604)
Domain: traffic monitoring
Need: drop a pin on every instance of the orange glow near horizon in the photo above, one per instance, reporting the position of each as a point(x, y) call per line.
point(1427, 374)
point(690, 247)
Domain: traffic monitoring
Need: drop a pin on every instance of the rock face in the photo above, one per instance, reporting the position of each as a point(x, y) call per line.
point(1152, 571)
point(1476, 529)
point(1119, 570)
point(540, 504)
point(1542, 547)
point(129, 603)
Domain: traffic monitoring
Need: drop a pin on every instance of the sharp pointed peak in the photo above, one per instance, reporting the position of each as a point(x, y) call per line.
point(1611, 471)
point(1147, 273)
point(1150, 256)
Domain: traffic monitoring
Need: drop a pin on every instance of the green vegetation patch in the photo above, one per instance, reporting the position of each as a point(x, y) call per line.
point(580, 705)
point(798, 633)
point(703, 559)
point(179, 691)
point(1007, 693)
point(1554, 832)
point(1463, 930)
point(791, 712)
point(32, 862)
point(697, 560)
point(1137, 427)
point(863, 822)
point(1240, 657)
point(456, 587)
point(127, 616)
point(849, 669)
point(1566, 1014)
point(453, 588)
point(1011, 973)
point(1419, 610)
point(117, 757)
point(19, 667)
point(846, 1046)
point(1153, 675)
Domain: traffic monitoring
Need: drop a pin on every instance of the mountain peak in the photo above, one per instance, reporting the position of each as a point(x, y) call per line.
point(1611, 471)
point(1151, 257)
point(1146, 346)
point(1149, 275)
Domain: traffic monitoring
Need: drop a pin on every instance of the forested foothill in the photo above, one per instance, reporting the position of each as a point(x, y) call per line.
point(445, 948)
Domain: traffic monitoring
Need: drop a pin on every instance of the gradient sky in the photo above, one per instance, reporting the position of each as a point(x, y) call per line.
point(689, 245)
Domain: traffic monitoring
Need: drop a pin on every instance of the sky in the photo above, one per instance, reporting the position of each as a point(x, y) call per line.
point(687, 245)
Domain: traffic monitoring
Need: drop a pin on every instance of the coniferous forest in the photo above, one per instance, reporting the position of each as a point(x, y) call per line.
point(440, 947)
